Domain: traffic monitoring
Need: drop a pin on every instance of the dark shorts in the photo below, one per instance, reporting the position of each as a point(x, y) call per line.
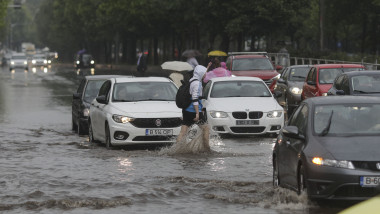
point(188, 118)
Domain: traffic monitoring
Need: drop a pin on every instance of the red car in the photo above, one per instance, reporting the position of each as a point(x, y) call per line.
point(253, 65)
point(321, 77)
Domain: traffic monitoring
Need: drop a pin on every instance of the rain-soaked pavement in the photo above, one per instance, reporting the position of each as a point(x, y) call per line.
point(47, 168)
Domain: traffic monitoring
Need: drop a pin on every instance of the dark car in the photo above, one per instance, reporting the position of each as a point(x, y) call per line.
point(87, 91)
point(84, 61)
point(321, 77)
point(357, 83)
point(290, 85)
point(253, 64)
point(330, 148)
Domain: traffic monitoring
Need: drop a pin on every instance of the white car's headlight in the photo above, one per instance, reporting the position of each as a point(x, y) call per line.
point(218, 114)
point(78, 62)
point(296, 90)
point(273, 114)
point(49, 61)
point(34, 61)
point(333, 163)
point(45, 61)
point(92, 62)
point(86, 112)
point(122, 119)
point(12, 62)
point(25, 62)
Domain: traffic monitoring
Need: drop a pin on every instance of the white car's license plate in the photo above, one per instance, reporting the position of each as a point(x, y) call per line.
point(369, 181)
point(247, 122)
point(159, 132)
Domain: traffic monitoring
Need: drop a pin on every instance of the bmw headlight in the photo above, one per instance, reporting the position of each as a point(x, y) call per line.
point(274, 114)
point(296, 90)
point(92, 62)
point(333, 163)
point(122, 119)
point(218, 114)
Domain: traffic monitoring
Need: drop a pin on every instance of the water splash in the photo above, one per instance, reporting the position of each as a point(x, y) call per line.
point(193, 143)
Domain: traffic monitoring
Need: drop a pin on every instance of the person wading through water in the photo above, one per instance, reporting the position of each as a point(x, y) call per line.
point(194, 114)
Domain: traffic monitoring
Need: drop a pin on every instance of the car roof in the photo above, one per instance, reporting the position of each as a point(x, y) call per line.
point(300, 66)
point(141, 79)
point(238, 78)
point(361, 73)
point(249, 56)
point(339, 66)
point(347, 99)
point(101, 77)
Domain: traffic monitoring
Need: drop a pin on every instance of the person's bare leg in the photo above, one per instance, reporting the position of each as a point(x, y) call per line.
point(182, 133)
point(206, 136)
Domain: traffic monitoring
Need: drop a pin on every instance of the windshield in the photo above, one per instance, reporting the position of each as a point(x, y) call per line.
point(39, 57)
point(19, 57)
point(328, 75)
point(92, 90)
point(298, 74)
point(239, 89)
point(350, 119)
point(144, 91)
point(365, 84)
point(249, 64)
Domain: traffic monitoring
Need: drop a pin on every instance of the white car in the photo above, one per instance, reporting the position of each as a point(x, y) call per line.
point(137, 110)
point(18, 60)
point(39, 60)
point(241, 106)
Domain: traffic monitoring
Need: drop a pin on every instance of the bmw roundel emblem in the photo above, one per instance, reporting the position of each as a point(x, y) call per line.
point(378, 166)
point(158, 122)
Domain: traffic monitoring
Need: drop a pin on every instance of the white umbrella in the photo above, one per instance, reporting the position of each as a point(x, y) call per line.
point(176, 66)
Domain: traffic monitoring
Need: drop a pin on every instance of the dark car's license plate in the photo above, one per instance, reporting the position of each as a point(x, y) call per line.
point(369, 181)
point(246, 122)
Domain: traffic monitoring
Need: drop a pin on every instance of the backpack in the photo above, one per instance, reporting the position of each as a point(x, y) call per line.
point(183, 96)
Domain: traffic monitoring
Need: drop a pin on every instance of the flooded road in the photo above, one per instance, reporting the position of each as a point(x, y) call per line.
point(47, 168)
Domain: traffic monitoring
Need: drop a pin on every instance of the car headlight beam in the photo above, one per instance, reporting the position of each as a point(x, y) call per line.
point(218, 114)
point(333, 163)
point(274, 114)
point(122, 119)
point(296, 90)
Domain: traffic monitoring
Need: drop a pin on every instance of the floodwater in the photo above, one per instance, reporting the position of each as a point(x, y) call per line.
point(47, 168)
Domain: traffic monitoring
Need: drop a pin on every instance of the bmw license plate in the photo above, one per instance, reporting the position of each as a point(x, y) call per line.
point(246, 122)
point(369, 181)
point(158, 132)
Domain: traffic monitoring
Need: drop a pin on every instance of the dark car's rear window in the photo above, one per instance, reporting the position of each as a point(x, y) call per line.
point(250, 64)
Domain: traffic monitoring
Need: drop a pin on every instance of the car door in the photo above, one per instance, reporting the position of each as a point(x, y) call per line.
point(311, 84)
point(77, 100)
point(97, 116)
point(282, 85)
point(291, 148)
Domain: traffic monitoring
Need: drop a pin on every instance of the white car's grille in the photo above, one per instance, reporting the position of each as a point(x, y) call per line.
point(157, 122)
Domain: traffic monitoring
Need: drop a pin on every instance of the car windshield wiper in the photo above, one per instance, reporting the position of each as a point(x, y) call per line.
point(298, 76)
point(326, 130)
point(155, 100)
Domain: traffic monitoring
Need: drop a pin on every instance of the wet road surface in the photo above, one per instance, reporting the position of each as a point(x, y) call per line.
point(47, 168)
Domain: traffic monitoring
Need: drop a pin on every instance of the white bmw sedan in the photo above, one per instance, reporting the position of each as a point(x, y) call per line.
point(241, 106)
point(135, 111)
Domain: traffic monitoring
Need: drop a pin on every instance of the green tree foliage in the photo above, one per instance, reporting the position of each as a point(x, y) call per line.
point(113, 29)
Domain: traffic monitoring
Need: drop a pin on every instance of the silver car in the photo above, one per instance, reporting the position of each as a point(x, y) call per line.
point(18, 60)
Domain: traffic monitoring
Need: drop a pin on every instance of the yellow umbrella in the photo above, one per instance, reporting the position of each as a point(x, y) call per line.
point(216, 53)
point(369, 206)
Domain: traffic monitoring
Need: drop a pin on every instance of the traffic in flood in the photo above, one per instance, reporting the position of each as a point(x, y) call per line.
point(48, 168)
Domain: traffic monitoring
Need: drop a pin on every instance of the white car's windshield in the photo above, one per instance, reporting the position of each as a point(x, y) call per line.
point(365, 84)
point(350, 119)
point(239, 89)
point(249, 64)
point(19, 57)
point(144, 91)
